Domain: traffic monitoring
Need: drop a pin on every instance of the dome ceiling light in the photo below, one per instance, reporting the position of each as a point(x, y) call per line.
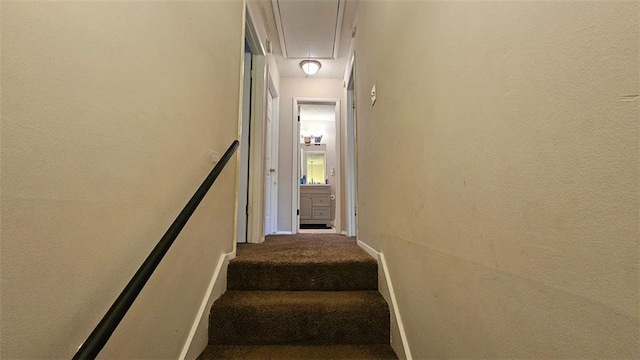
point(310, 67)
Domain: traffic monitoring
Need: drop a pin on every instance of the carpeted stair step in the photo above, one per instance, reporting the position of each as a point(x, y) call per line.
point(311, 263)
point(300, 317)
point(298, 352)
point(309, 276)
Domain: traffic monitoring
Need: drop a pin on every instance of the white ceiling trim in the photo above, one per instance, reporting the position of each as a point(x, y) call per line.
point(276, 14)
point(338, 31)
point(294, 44)
point(252, 35)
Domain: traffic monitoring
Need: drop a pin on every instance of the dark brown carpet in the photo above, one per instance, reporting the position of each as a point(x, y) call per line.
point(303, 262)
point(298, 352)
point(305, 317)
point(307, 296)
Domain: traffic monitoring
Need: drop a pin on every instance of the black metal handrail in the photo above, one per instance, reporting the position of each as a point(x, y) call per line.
point(101, 334)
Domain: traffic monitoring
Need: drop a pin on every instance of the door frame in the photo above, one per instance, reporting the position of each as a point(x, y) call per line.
point(255, 207)
point(242, 184)
point(295, 165)
point(253, 213)
point(351, 166)
point(270, 189)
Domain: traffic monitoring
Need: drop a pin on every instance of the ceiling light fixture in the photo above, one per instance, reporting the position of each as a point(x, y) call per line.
point(310, 67)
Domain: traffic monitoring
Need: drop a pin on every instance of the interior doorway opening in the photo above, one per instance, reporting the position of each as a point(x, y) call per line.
point(249, 211)
point(243, 159)
point(316, 165)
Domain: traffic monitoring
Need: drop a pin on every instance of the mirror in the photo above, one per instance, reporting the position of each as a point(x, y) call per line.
point(316, 164)
point(313, 165)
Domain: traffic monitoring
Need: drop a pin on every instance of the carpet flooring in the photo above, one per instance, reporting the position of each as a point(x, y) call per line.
point(303, 262)
point(299, 352)
point(305, 296)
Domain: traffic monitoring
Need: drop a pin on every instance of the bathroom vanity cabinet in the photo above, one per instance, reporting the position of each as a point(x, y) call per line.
point(315, 204)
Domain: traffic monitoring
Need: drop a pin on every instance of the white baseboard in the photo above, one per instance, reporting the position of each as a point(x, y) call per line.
point(369, 250)
point(343, 233)
point(284, 233)
point(386, 289)
point(199, 334)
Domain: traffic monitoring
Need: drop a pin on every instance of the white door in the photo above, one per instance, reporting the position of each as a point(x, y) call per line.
point(269, 169)
point(352, 160)
point(274, 161)
point(298, 167)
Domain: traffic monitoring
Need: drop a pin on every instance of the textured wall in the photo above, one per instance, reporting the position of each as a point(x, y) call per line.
point(291, 88)
point(109, 113)
point(498, 172)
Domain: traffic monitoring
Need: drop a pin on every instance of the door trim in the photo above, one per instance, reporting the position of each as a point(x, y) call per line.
point(251, 34)
point(295, 165)
point(241, 218)
point(255, 219)
point(273, 93)
point(351, 165)
point(242, 183)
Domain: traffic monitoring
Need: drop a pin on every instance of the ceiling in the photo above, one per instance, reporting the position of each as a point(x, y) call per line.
point(309, 28)
point(316, 29)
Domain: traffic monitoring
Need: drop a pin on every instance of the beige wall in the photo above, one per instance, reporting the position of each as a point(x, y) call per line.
point(290, 88)
point(110, 111)
point(498, 172)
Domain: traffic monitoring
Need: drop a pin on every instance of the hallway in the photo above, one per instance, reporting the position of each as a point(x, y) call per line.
point(487, 158)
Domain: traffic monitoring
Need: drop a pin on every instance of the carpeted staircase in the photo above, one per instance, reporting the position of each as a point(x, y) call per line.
point(305, 296)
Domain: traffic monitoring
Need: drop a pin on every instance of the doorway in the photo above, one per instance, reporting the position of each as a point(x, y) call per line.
point(243, 167)
point(250, 211)
point(316, 165)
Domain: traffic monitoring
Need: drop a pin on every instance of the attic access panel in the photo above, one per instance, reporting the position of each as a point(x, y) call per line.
point(309, 28)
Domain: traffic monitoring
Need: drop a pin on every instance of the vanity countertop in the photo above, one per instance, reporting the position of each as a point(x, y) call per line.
point(315, 185)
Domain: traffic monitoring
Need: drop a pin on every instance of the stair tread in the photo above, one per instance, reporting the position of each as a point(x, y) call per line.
point(306, 262)
point(258, 275)
point(303, 249)
point(235, 298)
point(299, 352)
point(304, 317)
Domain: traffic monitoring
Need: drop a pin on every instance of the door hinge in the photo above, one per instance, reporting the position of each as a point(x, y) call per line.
point(354, 104)
point(298, 212)
point(246, 210)
point(298, 117)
